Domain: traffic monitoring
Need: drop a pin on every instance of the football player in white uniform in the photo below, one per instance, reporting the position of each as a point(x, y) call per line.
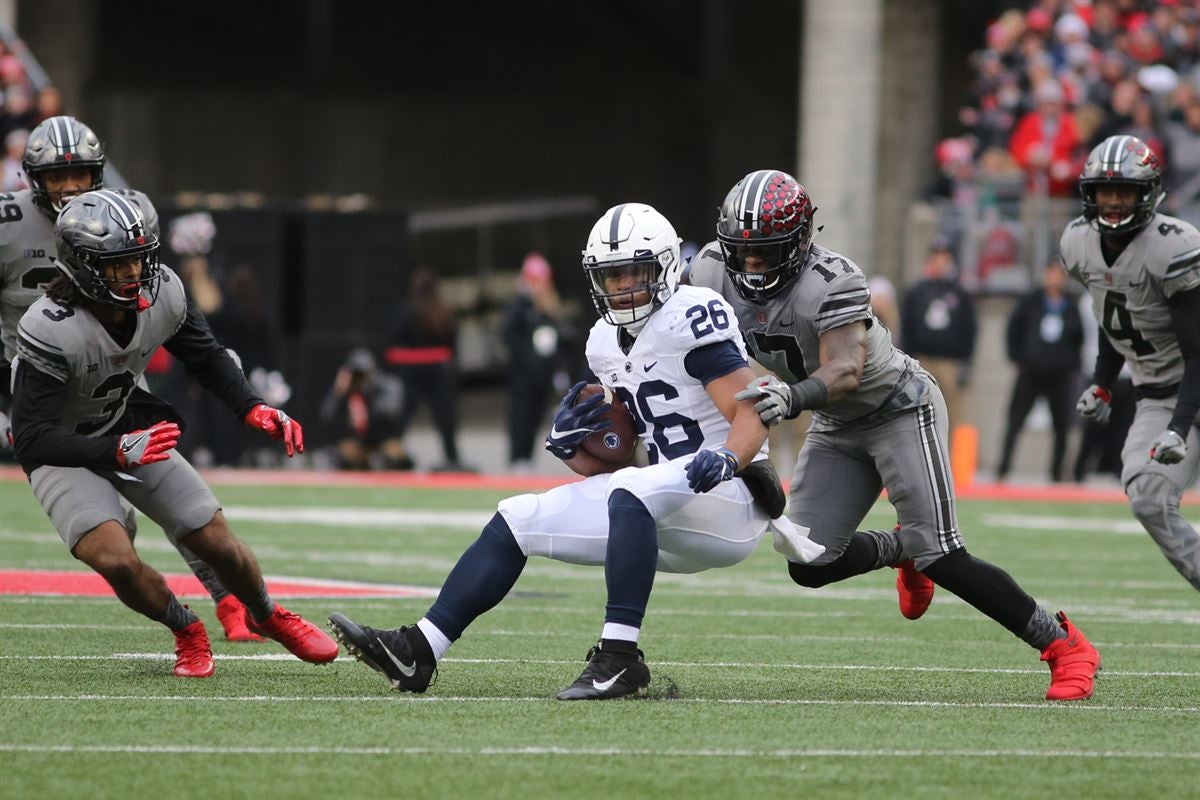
point(85, 435)
point(673, 356)
point(879, 421)
point(64, 158)
point(1142, 272)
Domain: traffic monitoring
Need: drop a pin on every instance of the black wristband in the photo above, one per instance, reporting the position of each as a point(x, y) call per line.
point(808, 393)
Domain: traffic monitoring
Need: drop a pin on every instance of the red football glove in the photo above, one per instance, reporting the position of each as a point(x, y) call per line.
point(277, 425)
point(148, 445)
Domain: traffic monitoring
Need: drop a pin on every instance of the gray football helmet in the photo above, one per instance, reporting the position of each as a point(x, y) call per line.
point(60, 143)
point(101, 227)
point(1122, 160)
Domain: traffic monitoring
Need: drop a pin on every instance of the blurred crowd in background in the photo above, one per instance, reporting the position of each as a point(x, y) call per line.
point(1051, 82)
point(1052, 79)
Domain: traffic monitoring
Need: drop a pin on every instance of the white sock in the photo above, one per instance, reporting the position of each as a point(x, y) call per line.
point(624, 633)
point(438, 642)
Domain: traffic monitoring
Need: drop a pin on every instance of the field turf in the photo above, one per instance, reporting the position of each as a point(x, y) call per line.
point(760, 689)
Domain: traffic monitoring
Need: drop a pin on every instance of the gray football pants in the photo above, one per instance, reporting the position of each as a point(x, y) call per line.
point(1155, 489)
point(840, 474)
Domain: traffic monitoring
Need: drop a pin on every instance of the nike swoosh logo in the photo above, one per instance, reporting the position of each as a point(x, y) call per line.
point(148, 352)
point(787, 324)
point(407, 670)
point(127, 447)
point(604, 686)
point(555, 433)
point(650, 366)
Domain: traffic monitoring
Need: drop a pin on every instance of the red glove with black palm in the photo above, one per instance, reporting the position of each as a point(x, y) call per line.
point(278, 425)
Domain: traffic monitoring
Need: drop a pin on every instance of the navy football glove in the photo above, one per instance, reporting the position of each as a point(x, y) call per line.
point(709, 468)
point(572, 423)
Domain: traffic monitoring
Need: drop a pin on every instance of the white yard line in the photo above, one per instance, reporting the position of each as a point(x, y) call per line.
point(588, 752)
point(574, 662)
point(393, 697)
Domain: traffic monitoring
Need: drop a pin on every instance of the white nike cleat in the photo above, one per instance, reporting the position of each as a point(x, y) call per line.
point(614, 669)
point(403, 656)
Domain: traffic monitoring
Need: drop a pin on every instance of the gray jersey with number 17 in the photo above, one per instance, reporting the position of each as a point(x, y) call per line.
point(784, 334)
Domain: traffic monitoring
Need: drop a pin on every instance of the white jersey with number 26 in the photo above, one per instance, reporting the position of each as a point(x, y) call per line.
point(672, 410)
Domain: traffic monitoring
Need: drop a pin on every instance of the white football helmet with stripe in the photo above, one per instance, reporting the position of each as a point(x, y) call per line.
point(633, 261)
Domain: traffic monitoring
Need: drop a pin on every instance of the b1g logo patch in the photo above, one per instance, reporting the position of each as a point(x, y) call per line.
point(612, 441)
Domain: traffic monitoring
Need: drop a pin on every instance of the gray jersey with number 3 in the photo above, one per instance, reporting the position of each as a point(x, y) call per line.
point(1130, 297)
point(70, 345)
point(784, 333)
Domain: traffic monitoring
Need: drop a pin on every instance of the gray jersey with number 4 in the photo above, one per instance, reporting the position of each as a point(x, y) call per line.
point(784, 333)
point(26, 250)
point(70, 345)
point(1130, 297)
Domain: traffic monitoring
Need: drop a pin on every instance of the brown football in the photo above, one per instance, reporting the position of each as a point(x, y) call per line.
point(615, 443)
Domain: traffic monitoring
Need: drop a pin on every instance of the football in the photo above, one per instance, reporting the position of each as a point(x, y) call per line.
point(615, 443)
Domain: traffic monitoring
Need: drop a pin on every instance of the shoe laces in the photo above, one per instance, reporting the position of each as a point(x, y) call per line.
point(193, 645)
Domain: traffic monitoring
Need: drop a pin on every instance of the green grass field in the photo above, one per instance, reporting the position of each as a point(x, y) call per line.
point(760, 689)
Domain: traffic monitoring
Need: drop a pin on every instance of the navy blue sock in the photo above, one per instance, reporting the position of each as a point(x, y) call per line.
point(631, 559)
point(482, 578)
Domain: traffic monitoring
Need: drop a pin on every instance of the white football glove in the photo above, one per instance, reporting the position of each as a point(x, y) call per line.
point(774, 398)
point(1169, 448)
point(792, 542)
point(1095, 404)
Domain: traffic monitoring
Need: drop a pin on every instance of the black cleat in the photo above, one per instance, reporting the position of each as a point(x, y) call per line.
point(613, 670)
point(401, 655)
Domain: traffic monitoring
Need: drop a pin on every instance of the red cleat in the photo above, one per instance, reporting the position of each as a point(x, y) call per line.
point(232, 616)
point(1073, 664)
point(306, 641)
point(914, 588)
point(193, 654)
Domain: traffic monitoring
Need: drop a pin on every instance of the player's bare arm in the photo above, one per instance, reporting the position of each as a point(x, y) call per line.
point(843, 356)
point(746, 432)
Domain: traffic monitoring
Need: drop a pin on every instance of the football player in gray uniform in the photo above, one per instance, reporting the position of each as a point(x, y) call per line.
point(64, 158)
point(674, 357)
point(879, 420)
point(1142, 272)
point(86, 434)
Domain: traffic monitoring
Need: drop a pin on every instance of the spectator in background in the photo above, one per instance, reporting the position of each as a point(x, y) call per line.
point(537, 335)
point(243, 326)
point(49, 103)
point(937, 323)
point(19, 113)
point(422, 346)
point(13, 174)
point(883, 304)
point(1045, 338)
point(1045, 144)
point(363, 409)
point(1183, 179)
